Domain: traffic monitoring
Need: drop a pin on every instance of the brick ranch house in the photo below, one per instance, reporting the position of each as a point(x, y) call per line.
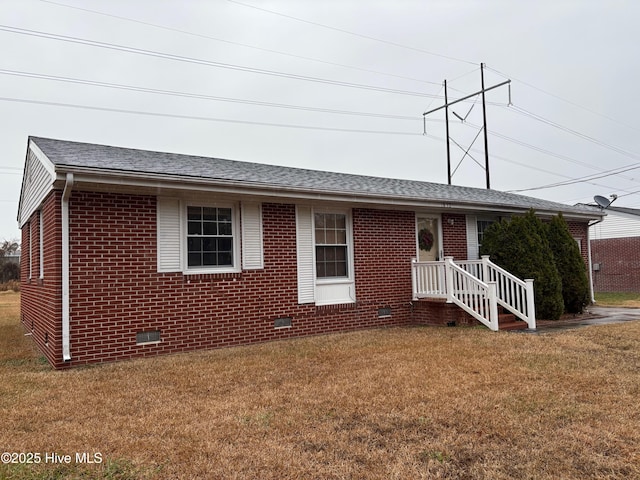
point(129, 253)
point(615, 251)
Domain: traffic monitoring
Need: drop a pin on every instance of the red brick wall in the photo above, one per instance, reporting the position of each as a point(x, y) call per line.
point(454, 236)
point(41, 299)
point(116, 290)
point(384, 244)
point(580, 230)
point(619, 260)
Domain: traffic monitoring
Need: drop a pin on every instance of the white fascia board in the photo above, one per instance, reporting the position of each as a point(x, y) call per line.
point(48, 164)
point(49, 168)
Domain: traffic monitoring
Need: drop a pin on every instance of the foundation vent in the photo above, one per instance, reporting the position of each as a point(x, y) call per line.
point(282, 322)
point(148, 337)
point(384, 312)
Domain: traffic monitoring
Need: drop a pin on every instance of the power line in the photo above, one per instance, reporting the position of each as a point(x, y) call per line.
point(387, 42)
point(580, 179)
point(209, 119)
point(546, 152)
point(179, 58)
point(565, 100)
point(531, 167)
point(245, 45)
point(589, 138)
point(627, 194)
point(202, 97)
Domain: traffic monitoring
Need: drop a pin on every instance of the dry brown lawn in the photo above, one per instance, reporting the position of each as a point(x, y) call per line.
point(411, 403)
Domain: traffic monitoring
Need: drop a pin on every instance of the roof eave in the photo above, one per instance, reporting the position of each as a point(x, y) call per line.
point(156, 182)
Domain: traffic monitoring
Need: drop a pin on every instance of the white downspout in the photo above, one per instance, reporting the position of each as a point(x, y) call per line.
point(593, 295)
point(66, 344)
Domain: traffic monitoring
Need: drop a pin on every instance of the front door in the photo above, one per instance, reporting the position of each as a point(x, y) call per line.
point(428, 232)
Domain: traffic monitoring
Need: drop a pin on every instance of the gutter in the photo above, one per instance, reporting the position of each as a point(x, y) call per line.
point(66, 344)
point(155, 181)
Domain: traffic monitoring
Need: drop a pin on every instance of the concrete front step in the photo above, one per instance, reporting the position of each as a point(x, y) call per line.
point(508, 321)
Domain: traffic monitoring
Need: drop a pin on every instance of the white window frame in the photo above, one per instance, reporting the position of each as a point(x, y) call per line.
point(235, 231)
point(335, 290)
point(484, 220)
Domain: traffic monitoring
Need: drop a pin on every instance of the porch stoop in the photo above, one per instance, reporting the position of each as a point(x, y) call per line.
point(508, 321)
point(476, 287)
point(437, 312)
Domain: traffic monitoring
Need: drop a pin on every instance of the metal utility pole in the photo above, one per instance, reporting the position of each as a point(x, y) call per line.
point(446, 118)
point(484, 120)
point(484, 117)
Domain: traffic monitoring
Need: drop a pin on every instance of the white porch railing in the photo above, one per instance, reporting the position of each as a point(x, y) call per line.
point(474, 288)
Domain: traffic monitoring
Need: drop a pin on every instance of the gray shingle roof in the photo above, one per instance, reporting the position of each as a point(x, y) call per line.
point(101, 157)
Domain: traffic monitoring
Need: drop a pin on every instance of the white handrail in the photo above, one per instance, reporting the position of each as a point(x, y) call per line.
point(428, 279)
point(512, 293)
point(471, 294)
point(442, 280)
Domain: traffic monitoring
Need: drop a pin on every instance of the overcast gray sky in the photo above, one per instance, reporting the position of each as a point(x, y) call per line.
point(333, 85)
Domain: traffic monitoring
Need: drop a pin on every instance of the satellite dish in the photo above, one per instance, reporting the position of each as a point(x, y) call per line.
point(603, 202)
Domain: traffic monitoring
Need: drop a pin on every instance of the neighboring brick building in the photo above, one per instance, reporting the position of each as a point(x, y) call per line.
point(615, 251)
point(129, 253)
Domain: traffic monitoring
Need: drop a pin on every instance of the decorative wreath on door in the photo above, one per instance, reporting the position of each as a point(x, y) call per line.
point(425, 239)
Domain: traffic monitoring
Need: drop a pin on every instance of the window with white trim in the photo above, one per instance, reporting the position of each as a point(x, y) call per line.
point(210, 237)
point(199, 238)
point(325, 256)
point(332, 258)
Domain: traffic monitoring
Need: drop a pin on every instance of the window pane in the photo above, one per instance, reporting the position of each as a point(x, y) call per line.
point(341, 253)
point(319, 220)
point(209, 259)
point(331, 269)
point(224, 229)
point(209, 228)
point(331, 237)
point(341, 237)
point(330, 254)
point(224, 244)
point(209, 214)
point(331, 221)
point(194, 260)
point(209, 245)
point(341, 269)
point(195, 228)
point(224, 259)
point(194, 244)
point(341, 221)
point(320, 236)
point(224, 215)
point(194, 213)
